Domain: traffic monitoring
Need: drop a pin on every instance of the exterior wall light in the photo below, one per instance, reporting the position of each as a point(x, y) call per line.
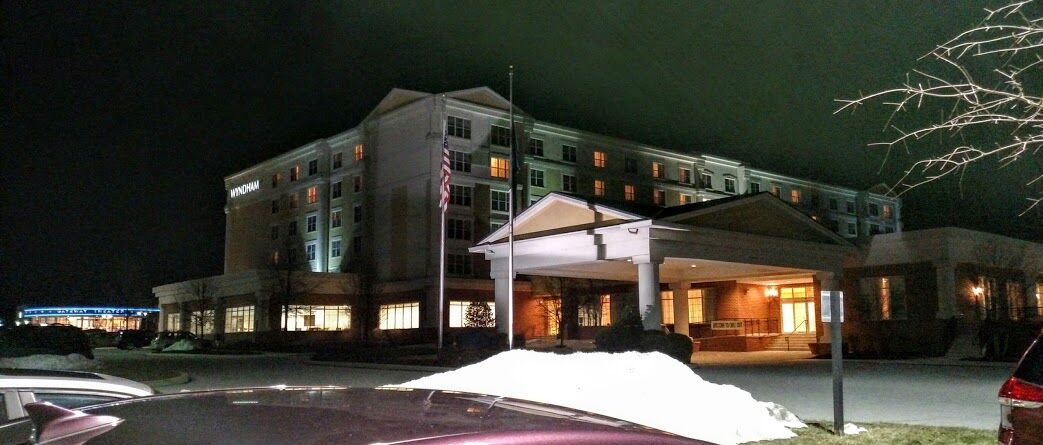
point(771, 291)
point(978, 290)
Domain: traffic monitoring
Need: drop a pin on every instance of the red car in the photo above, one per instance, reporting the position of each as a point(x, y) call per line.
point(1021, 400)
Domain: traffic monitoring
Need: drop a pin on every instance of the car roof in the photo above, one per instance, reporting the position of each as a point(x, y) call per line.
point(71, 380)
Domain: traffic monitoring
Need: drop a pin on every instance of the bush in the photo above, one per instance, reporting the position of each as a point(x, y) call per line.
point(628, 334)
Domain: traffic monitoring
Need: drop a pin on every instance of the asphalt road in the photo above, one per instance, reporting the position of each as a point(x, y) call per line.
point(942, 395)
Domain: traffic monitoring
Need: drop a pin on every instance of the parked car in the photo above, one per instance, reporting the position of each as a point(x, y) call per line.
point(338, 415)
point(68, 389)
point(134, 338)
point(1021, 400)
point(164, 339)
point(17, 341)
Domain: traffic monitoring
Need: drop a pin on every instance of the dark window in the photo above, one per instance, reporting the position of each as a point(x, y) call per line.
point(460, 195)
point(335, 219)
point(357, 183)
point(275, 180)
point(729, 185)
point(459, 127)
point(874, 210)
point(275, 232)
point(706, 180)
point(357, 213)
point(313, 167)
point(630, 165)
point(356, 244)
point(458, 264)
point(292, 229)
point(335, 248)
point(536, 147)
point(500, 136)
point(336, 190)
point(499, 201)
point(460, 161)
point(755, 187)
point(568, 153)
point(295, 173)
point(338, 160)
point(815, 199)
point(275, 206)
point(458, 229)
point(833, 204)
point(850, 207)
point(312, 220)
point(568, 183)
point(536, 178)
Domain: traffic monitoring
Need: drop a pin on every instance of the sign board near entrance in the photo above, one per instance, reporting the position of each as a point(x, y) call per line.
point(726, 325)
point(827, 310)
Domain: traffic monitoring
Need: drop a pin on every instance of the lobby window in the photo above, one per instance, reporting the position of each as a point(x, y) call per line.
point(536, 147)
point(888, 212)
point(360, 152)
point(356, 213)
point(684, 199)
point(657, 170)
point(400, 316)
point(729, 185)
point(500, 136)
point(498, 167)
point(536, 178)
point(336, 190)
point(458, 229)
point(458, 127)
point(776, 190)
point(460, 195)
point(794, 195)
point(658, 197)
point(313, 167)
point(568, 153)
point(666, 299)
point(498, 201)
point(313, 195)
point(309, 251)
point(874, 210)
point(849, 206)
point(202, 322)
point(684, 176)
point(886, 296)
point(275, 180)
point(335, 247)
point(755, 187)
point(597, 313)
point(630, 165)
point(239, 319)
point(301, 317)
point(600, 158)
point(338, 160)
point(628, 192)
point(173, 321)
point(568, 183)
point(292, 228)
point(275, 232)
point(312, 222)
point(460, 161)
point(706, 180)
point(295, 201)
point(458, 313)
point(599, 187)
point(335, 220)
point(295, 173)
point(833, 204)
point(696, 302)
point(357, 184)
point(275, 206)
point(458, 264)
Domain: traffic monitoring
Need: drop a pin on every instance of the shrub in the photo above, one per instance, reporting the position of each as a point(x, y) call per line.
point(623, 335)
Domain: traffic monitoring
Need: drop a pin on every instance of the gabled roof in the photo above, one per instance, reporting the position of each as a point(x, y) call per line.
point(483, 96)
point(395, 99)
point(559, 212)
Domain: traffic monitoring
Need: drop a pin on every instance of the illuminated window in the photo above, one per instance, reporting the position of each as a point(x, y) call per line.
point(684, 176)
point(360, 152)
point(755, 187)
point(294, 200)
point(275, 180)
point(628, 192)
point(888, 212)
point(313, 195)
point(458, 264)
point(551, 308)
point(695, 305)
point(239, 319)
point(202, 322)
point(658, 197)
point(568, 153)
point(630, 165)
point(458, 314)
point(309, 250)
point(295, 173)
point(300, 317)
point(335, 248)
point(313, 167)
point(776, 190)
point(312, 222)
point(498, 201)
point(460, 195)
point(338, 160)
point(458, 127)
point(356, 213)
point(498, 167)
point(275, 257)
point(460, 161)
point(568, 183)
point(500, 136)
point(458, 229)
point(657, 170)
point(173, 322)
point(336, 190)
point(887, 296)
point(729, 185)
point(335, 220)
point(599, 159)
point(706, 180)
point(275, 232)
point(684, 199)
point(275, 206)
point(400, 316)
point(667, 300)
point(599, 187)
point(536, 147)
point(598, 313)
point(357, 184)
point(794, 195)
point(536, 178)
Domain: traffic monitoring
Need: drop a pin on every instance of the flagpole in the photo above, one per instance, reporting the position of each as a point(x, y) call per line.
point(442, 206)
point(510, 220)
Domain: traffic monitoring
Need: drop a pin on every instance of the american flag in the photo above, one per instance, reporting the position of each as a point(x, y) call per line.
point(446, 172)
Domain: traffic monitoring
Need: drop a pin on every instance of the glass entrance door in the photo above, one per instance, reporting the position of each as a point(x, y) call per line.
point(798, 309)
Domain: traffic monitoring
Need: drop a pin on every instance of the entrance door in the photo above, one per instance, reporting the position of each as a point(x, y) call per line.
point(798, 309)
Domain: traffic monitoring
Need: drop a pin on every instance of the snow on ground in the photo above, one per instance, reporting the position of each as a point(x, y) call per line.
point(650, 389)
point(71, 362)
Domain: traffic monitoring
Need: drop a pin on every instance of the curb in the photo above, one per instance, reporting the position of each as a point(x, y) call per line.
point(390, 367)
point(180, 379)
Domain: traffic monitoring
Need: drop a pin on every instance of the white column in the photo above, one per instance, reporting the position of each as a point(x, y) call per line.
point(502, 289)
point(680, 291)
point(648, 293)
point(945, 277)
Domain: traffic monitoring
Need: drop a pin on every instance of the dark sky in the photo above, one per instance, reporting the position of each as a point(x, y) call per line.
point(119, 120)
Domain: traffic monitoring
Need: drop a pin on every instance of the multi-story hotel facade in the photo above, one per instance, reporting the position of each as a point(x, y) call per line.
point(339, 238)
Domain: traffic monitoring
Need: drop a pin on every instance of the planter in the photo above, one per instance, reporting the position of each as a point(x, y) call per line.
point(820, 349)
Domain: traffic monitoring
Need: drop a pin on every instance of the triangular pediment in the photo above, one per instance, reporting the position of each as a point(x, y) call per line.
point(396, 99)
point(763, 215)
point(557, 213)
point(483, 96)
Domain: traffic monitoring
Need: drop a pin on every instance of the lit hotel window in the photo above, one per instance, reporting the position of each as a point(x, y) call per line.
point(313, 195)
point(658, 197)
point(275, 180)
point(239, 319)
point(794, 195)
point(599, 159)
point(359, 152)
point(316, 318)
point(596, 314)
point(275, 257)
point(684, 199)
point(684, 176)
point(400, 316)
point(599, 187)
point(657, 170)
point(458, 313)
point(776, 190)
point(888, 212)
point(628, 192)
point(666, 299)
point(498, 167)
point(295, 173)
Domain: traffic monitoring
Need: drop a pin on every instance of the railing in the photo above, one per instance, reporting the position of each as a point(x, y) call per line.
point(752, 326)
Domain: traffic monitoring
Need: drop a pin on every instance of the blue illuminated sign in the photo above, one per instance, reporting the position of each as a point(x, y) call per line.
point(86, 311)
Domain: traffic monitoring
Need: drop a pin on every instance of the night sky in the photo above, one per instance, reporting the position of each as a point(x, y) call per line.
point(120, 120)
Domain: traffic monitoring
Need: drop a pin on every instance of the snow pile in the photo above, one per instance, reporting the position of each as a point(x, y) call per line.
point(71, 362)
point(650, 389)
point(183, 345)
point(851, 429)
